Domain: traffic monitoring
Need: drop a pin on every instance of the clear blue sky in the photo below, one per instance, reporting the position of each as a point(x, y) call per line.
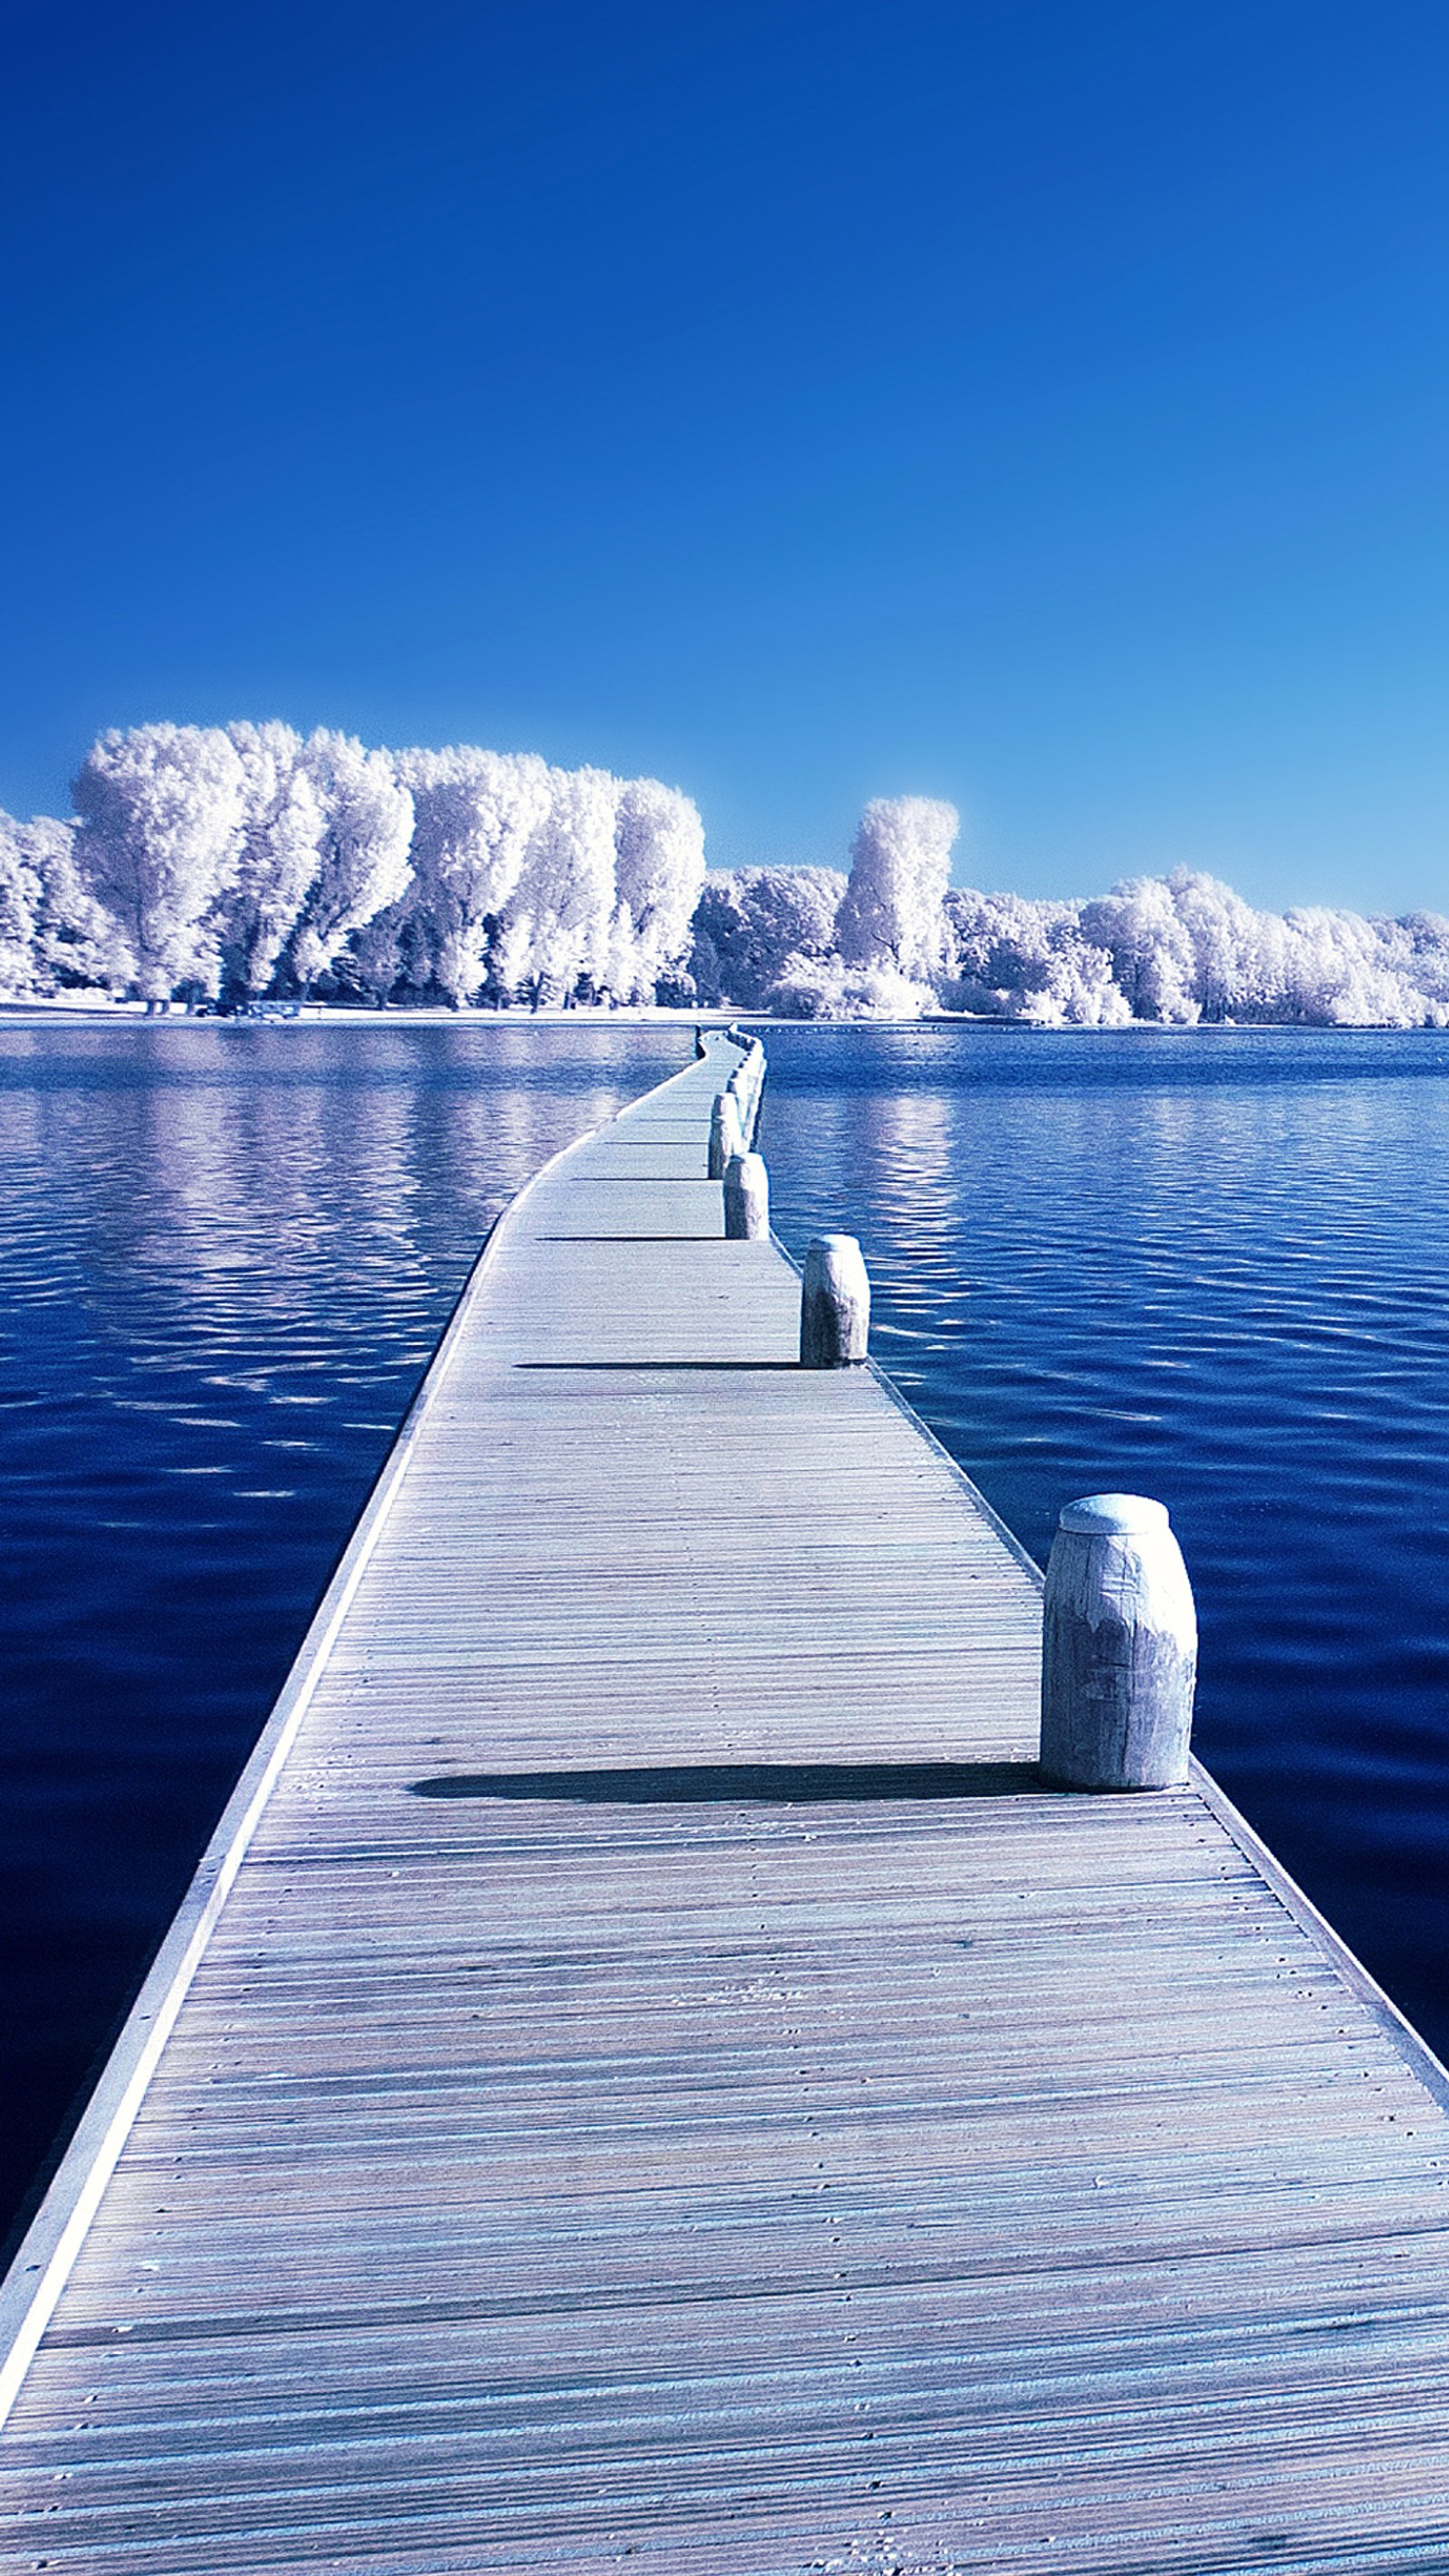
point(1041, 403)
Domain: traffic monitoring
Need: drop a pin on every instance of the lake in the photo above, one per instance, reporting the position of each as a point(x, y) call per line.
point(1204, 1265)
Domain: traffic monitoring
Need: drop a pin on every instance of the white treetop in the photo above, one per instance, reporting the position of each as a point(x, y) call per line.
point(161, 811)
point(900, 867)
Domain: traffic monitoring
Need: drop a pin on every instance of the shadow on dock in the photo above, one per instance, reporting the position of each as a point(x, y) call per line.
point(774, 1784)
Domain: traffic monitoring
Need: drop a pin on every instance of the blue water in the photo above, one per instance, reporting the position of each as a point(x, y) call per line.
point(1208, 1266)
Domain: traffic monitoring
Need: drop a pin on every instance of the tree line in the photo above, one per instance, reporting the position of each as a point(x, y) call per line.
point(230, 864)
point(234, 862)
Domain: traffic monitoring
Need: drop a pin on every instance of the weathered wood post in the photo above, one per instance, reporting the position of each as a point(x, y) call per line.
point(741, 1091)
point(834, 1303)
point(724, 1134)
point(752, 1082)
point(1119, 1648)
point(746, 1199)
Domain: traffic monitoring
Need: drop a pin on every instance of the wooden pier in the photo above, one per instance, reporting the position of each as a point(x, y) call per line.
point(647, 2073)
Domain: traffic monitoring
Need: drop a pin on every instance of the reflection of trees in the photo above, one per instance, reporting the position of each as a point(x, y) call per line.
point(263, 1205)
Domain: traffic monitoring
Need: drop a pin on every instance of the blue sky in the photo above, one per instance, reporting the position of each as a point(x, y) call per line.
point(1041, 403)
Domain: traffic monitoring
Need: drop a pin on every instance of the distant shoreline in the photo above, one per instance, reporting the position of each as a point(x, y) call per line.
point(40, 1009)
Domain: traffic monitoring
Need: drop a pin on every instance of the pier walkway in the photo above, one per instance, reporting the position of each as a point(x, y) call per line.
point(648, 2076)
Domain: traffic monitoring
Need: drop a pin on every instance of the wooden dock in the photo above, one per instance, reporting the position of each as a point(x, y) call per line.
point(647, 2074)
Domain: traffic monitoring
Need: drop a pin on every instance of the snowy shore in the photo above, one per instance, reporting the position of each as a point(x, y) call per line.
point(92, 1012)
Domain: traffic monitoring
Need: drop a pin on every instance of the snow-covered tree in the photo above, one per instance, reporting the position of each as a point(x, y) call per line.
point(279, 855)
point(361, 864)
point(17, 916)
point(1185, 946)
point(812, 988)
point(1152, 953)
point(475, 815)
point(390, 950)
point(750, 924)
point(74, 942)
point(1028, 960)
point(658, 874)
point(556, 926)
point(161, 826)
point(1230, 961)
point(1416, 948)
point(900, 867)
point(1339, 976)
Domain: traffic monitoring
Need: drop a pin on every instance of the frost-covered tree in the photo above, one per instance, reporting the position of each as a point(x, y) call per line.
point(750, 924)
point(556, 927)
point(17, 917)
point(475, 816)
point(1416, 949)
point(161, 814)
point(1077, 990)
point(1233, 960)
point(389, 951)
point(74, 942)
point(1338, 974)
point(280, 852)
point(658, 873)
point(1028, 960)
point(1185, 946)
point(1153, 957)
point(812, 988)
point(900, 867)
point(362, 849)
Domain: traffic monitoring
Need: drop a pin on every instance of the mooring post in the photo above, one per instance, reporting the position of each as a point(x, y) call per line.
point(834, 1303)
point(1119, 1648)
point(725, 1138)
point(752, 1076)
point(739, 1091)
point(746, 1199)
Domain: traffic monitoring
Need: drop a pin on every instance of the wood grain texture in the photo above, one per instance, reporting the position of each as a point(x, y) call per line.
point(669, 2086)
